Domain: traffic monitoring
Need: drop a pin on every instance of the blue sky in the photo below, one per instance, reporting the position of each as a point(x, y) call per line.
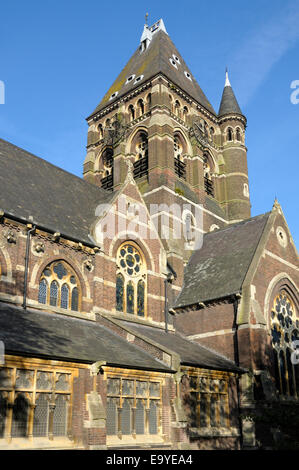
point(58, 58)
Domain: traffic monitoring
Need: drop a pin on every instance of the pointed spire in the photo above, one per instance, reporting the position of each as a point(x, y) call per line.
point(229, 103)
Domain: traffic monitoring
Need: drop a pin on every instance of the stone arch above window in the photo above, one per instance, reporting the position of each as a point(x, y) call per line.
point(284, 324)
point(59, 287)
point(131, 281)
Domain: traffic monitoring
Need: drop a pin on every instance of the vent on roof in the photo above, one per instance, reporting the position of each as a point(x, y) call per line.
point(188, 75)
point(114, 95)
point(138, 79)
point(173, 62)
point(130, 78)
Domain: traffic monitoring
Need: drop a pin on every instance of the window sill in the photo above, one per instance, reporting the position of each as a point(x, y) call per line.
point(214, 432)
point(36, 443)
point(141, 440)
point(62, 311)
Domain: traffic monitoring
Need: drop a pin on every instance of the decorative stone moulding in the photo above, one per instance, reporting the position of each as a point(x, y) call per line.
point(88, 265)
point(39, 247)
point(11, 238)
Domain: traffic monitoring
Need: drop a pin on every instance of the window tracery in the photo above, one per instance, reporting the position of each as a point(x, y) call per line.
point(59, 287)
point(285, 340)
point(131, 280)
point(133, 407)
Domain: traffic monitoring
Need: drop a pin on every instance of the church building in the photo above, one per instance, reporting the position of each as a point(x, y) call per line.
point(141, 306)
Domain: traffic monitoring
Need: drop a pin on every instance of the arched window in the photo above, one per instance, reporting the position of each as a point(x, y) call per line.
point(141, 156)
point(212, 133)
point(140, 106)
point(285, 340)
point(177, 108)
point(179, 164)
point(59, 287)
point(131, 112)
point(185, 113)
point(207, 171)
point(101, 132)
point(131, 280)
point(238, 134)
point(229, 134)
point(148, 101)
point(107, 165)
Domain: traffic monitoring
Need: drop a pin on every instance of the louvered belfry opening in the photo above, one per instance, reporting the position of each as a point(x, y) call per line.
point(141, 162)
point(107, 180)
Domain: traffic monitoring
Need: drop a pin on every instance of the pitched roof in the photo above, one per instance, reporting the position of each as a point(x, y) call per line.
point(55, 199)
point(229, 103)
point(218, 269)
point(154, 60)
point(191, 353)
point(49, 335)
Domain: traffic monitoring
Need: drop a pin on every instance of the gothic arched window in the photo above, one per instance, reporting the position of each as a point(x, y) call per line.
point(207, 173)
point(59, 286)
point(107, 164)
point(177, 108)
point(131, 280)
point(131, 112)
point(229, 134)
point(141, 155)
point(285, 340)
point(140, 106)
point(179, 164)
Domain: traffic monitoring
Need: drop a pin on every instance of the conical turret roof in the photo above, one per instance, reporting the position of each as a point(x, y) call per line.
point(229, 103)
point(156, 54)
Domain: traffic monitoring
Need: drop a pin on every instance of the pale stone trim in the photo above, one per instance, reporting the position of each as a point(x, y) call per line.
point(212, 333)
point(272, 255)
point(185, 199)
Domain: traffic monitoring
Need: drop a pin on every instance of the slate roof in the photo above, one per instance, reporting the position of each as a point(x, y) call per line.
point(57, 200)
point(57, 337)
point(218, 269)
point(229, 103)
point(152, 61)
point(190, 352)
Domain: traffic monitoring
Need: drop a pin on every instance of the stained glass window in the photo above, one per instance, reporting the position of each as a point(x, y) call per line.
point(283, 334)
point(120, 293)
point(42, 293)
point(132, 406)
point(53, 293)
point(64, 302)
point(59, 287)
point(130, 280)
point(140, 299)
point(130, 297)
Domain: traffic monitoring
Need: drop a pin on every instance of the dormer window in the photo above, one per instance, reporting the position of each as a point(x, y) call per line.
point(173, 62)
point(130, 78)
point(176, 59)
point(114, 95)
point(138, 79)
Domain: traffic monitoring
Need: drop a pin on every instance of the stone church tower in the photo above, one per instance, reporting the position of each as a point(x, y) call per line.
point(186, 157)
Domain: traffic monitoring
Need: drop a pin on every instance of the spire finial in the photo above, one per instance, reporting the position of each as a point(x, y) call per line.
point(227, 82)
point(146, 19)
